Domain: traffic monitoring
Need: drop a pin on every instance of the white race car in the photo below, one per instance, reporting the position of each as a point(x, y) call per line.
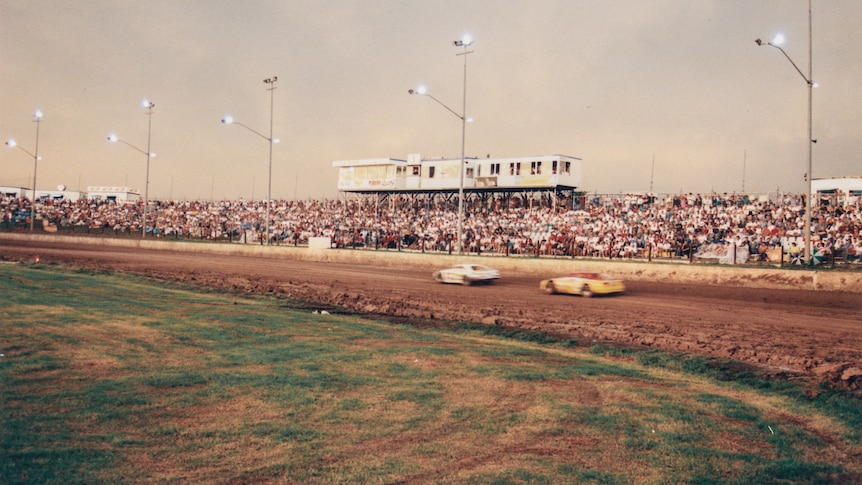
point(466, 274)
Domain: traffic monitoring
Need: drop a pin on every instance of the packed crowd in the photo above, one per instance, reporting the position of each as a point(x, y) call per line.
point(718, 226)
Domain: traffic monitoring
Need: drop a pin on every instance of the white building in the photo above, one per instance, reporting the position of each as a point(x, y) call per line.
point(111, 193)
point(59, 194)
point(845, 190)
point(418, 174)
point(9, 191)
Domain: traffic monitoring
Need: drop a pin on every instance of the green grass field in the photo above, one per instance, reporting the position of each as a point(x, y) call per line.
point(112, 378)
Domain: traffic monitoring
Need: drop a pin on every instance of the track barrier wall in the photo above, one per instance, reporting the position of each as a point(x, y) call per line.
point(664, 272)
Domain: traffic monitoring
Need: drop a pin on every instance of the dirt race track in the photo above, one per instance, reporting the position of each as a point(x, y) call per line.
point(816, 334)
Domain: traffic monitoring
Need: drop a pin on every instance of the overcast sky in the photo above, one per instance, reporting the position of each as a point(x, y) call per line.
point(669, 93)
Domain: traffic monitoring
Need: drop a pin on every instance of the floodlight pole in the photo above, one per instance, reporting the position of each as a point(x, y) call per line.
point(228, 120)
point(37, 118)
point(148, 105)
point(11, 143)
point(465, 43)
point(809, 254)
point(271, 82)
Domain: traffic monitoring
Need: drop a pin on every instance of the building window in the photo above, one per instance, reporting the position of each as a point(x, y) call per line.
point(535, 168)
point(416, 171)
point(568, 168)
point(554, 167)
point(431, 172)
point(495, 169)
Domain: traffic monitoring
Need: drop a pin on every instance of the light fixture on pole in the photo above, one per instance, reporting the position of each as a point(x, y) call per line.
point(776, 42)
point(37, 118)
point(465, 42)
point(228, 120)
point(148, 105)
point(114, 139)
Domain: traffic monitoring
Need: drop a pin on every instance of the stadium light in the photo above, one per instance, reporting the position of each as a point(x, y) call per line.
point(466, 41)
point(776, 43)
point(229, 120)
point(11, 143)
point(113, 138)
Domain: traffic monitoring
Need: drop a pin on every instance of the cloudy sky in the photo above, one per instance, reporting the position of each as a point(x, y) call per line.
point(669, 93)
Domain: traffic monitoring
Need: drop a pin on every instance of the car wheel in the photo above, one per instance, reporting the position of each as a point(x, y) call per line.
point(466, 281)
point(438, 277)
point(586, 292)
point(549, 288)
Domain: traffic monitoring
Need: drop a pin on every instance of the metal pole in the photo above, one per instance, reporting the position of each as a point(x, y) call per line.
point(149, 107)
point(466, 43)
point(38, 121)
point(808, 248)
point(271, 81)
point(808, 254)
point(461, 167)
point(652, 173)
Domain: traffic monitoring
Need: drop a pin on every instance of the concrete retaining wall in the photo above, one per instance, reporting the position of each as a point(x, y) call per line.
point(669, 272)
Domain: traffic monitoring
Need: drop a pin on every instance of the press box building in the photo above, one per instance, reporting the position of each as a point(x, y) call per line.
point(555, 175)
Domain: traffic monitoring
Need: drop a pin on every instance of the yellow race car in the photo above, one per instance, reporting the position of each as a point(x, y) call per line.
point(583, 283)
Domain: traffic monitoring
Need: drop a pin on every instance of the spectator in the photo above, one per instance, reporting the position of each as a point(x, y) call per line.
point(795, 254)
point(606, 226)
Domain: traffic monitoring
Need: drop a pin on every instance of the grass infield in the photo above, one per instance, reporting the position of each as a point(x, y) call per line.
point(114, 378)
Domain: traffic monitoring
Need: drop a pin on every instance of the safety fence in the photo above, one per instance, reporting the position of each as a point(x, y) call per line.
point(722, 252)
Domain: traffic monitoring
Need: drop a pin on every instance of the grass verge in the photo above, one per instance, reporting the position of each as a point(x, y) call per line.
point(119, 379)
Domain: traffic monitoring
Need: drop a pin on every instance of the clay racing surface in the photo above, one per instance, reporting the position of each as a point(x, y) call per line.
point(814, 334)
